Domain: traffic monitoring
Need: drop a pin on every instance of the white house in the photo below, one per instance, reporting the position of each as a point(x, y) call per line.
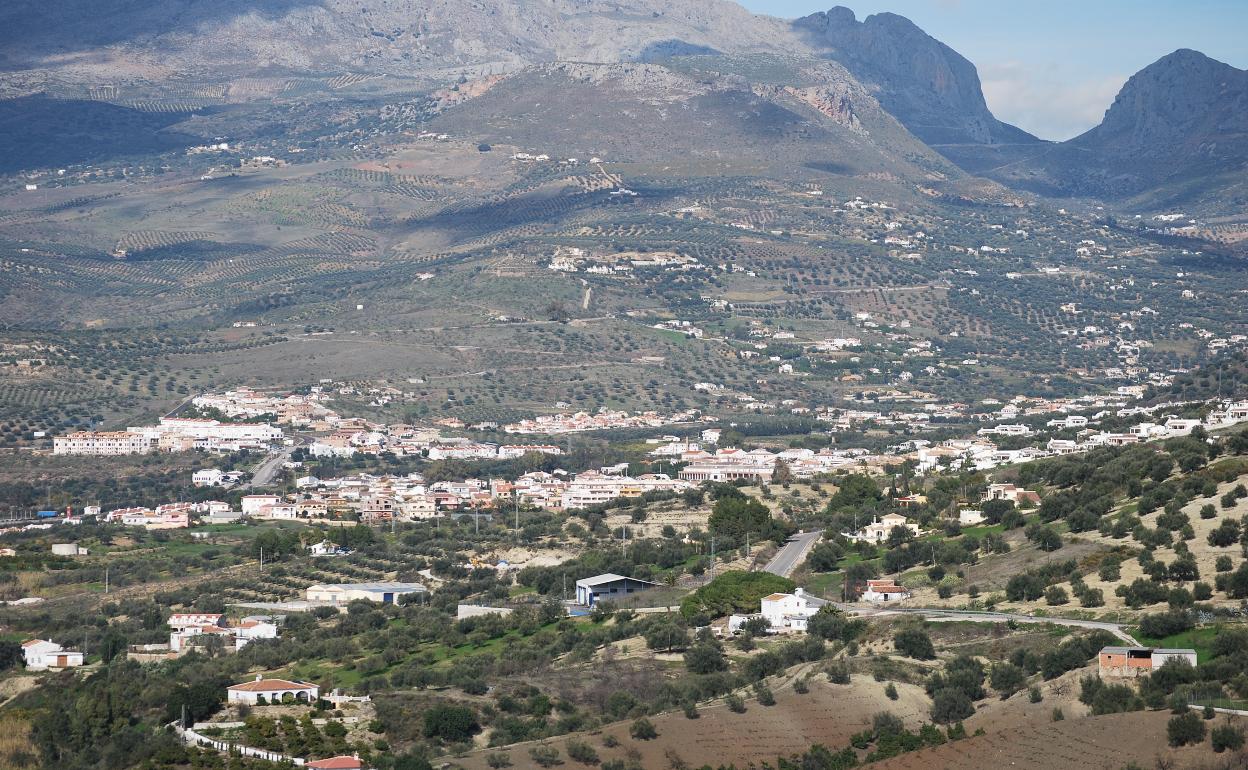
point(344, 593)
point(969, 516)
point(253, 503)
point(789, 612)
point(878, 531)
point(250, 629)
point(208, 477)
point(41, 655)
point(879, 591)
point(271, 690)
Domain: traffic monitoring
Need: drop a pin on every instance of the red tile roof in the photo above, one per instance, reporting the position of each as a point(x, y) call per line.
point(337, 763)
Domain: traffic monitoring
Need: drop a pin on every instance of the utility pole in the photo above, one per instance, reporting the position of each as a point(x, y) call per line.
point(106, 580)
point(262, 558)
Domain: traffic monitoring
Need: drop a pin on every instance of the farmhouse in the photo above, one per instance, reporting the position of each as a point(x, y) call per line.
point(1135, 661)
point(879, 591)
point(789, 612)
point(271, 690)
point(609, 585)
point(41, 655)
point(344, 593)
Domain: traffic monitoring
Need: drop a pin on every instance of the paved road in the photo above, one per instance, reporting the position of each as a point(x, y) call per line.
point(791, 555)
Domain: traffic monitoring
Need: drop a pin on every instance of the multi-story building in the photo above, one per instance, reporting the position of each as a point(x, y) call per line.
point(103, 444)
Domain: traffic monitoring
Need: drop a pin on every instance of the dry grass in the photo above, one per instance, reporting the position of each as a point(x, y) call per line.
point(17, 751)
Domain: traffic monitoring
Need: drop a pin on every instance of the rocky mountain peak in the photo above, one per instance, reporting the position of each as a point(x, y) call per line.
point(932, 89)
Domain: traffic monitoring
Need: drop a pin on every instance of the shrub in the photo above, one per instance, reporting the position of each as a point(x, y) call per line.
point(1227, 736)
point(1184, 729)
point(453, 724)
point(498, 759)
point(545, 756)
point(914, 643)
point(1007, 679)
point(890, 691)
point(838, 672)
point(582, 752)
point(1057, 714)
point(765, 695)
point(1056, 595)
point(951, 704)
point(1035, 695)
point(801, 686)
point(735, 704)
point(643, 730)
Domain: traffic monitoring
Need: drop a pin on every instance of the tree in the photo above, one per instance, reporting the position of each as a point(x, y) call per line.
point(824, 557)
point(832, 624)
point(781, 474)
point(10, 654)
point(1225, 535)
point(1184, 729)
point(667, 635)
point(643, 730)
point(914, 643)
point(734, 517)
point(705, 658)
point(451, 723)
point(1007, 679)
point(950, 705)
point(1056, 595)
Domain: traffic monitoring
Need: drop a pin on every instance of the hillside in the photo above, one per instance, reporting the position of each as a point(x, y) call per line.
point(651, 113)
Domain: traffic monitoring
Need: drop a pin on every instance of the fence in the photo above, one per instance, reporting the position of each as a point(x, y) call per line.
point(196, 739)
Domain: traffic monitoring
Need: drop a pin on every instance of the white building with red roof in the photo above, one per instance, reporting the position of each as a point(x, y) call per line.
point(271, 690)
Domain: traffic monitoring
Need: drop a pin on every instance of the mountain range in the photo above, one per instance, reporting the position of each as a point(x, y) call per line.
point(1179, 128)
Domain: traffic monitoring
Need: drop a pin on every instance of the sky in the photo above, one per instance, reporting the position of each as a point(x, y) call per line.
point(1053, 67)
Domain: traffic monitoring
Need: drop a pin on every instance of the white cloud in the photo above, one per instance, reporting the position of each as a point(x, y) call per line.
point(1052, 102)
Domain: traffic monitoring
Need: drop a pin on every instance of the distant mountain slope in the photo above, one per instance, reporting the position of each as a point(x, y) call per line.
point(1177, 125)
point(650, 112)
point(927, 85)
point(390, 36)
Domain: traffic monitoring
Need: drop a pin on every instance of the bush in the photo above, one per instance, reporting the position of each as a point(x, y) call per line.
point(1162, 624)
point(1035, 695)
point(950, 705)
point(498, 760)
point(914, 643)
point(1056, 596)
point(1007, 679)
point(582, 752)
point(1227, 736)
point(765, 695)
point(453, 724)
point(545, 756)
point(1057, 714)
point(890, 691)
point(838, 672)
point(1185, 729)
point(643, 730)
point(735, 704)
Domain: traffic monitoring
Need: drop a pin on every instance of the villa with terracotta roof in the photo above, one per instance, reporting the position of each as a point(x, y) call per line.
point(271, 690)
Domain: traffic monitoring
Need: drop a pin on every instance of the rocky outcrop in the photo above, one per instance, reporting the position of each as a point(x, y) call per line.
point(931, 88)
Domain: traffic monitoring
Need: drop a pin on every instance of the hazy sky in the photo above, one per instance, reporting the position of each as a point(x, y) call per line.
point(1052, 67)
